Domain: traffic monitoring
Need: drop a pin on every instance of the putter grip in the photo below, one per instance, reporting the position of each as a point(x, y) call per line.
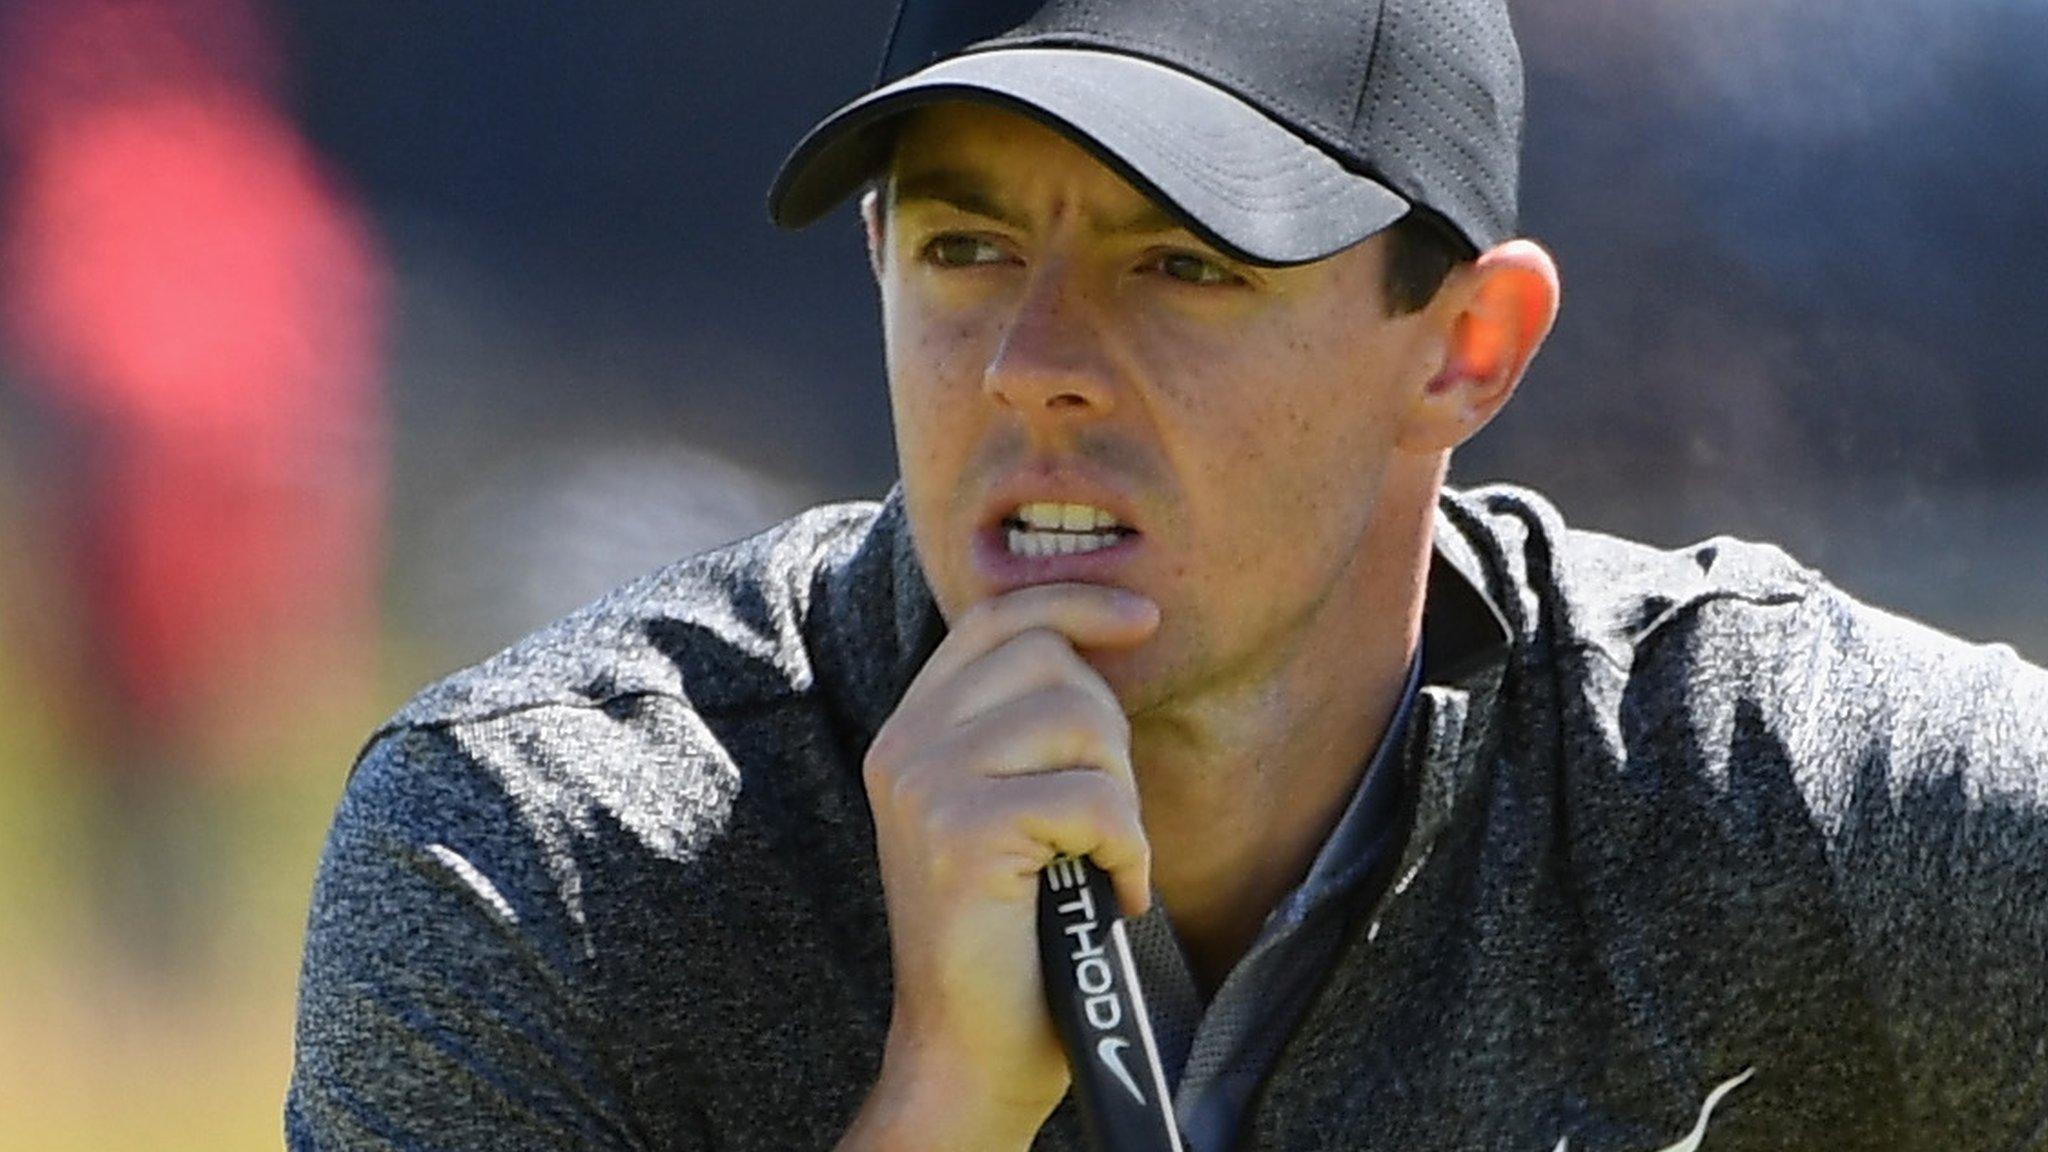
point(1091, 985)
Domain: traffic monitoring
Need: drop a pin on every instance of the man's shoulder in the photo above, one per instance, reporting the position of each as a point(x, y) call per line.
point(1807, 830)
point(651, 704)
point(600, 826)
point(720, 630)
point(1561, 584)
point(1723, 624)
point(680, 711)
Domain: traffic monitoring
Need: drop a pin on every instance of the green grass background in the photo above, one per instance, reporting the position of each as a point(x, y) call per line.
point(93, 1055)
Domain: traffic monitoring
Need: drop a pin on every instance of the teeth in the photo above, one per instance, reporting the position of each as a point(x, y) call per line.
point(1048, 528)
point(1036, 544)
point(1051, 517)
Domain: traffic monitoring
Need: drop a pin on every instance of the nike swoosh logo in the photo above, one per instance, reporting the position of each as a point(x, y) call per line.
point(1691, 1143)
point(1110, 1051)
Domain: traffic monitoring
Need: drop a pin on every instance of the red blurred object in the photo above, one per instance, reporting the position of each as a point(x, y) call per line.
point(61, 58)
point(183, 284)
point(179, 266)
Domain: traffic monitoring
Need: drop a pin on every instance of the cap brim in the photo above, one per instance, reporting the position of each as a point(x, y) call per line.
point(1239, 180)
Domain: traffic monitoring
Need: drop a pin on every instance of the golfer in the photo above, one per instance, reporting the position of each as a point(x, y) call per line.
point(1439, 824)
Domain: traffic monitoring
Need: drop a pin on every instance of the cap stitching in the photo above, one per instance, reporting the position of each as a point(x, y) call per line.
point(1428, 163)
point(1378, 28)
point(1454, 107)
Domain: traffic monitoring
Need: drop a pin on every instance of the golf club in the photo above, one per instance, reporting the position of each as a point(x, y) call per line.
point(1098, 1008)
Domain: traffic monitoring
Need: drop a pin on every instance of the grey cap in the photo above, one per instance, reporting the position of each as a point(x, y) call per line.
point(1281, 131)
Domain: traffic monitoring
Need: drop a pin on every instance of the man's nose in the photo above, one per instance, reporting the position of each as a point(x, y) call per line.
point(1051, 358)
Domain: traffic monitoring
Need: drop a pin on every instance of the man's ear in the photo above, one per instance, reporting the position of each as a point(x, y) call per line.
point(1499, 310)
point(871, 220)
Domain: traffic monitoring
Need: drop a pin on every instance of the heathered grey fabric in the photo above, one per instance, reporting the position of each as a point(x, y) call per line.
point(1673, 815)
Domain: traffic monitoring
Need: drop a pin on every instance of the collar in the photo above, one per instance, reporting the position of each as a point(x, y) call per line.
point(1464, 633)
point(1467, 641)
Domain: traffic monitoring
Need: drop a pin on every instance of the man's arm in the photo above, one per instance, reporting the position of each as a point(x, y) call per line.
point(1937, 818)
point(441, 1003)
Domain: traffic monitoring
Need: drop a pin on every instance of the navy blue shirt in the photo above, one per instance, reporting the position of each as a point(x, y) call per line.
point(1215, 1056)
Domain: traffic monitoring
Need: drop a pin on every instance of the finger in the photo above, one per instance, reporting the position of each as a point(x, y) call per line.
point(1036, 659)
point(1117, 846)
point(1073, 811)
point(1060, 726)
point(1088, 615)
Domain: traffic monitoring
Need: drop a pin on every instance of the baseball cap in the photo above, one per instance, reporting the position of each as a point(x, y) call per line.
point(1280, 131)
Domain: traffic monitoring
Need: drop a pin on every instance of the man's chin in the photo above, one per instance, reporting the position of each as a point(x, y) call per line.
point(1141, 677)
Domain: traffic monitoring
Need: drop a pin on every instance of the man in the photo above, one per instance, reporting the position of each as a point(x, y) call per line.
point(1441, 825)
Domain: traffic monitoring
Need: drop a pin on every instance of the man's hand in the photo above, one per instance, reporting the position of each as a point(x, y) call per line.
point(1007, 750)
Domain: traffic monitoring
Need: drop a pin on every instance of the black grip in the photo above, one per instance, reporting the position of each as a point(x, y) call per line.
point(1099, 1010)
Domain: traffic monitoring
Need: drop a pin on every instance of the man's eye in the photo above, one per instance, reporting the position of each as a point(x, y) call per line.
point(963, 252)
point(1189, 268)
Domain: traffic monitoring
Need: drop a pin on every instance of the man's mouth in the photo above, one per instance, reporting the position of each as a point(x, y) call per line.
point(1051, 529)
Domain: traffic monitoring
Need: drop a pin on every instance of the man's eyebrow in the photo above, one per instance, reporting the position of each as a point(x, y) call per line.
point(974, 196)
point(953, 188)
point(1148, 220)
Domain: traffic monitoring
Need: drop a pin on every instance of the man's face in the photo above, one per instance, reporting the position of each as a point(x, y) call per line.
point(1054, 338)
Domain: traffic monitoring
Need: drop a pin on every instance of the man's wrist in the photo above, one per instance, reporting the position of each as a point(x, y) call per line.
point(918, 1105)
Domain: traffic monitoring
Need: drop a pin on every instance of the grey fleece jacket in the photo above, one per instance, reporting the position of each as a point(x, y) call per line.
point(1675, 817)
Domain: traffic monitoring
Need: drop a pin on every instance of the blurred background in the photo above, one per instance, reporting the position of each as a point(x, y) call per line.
point(342, 343)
